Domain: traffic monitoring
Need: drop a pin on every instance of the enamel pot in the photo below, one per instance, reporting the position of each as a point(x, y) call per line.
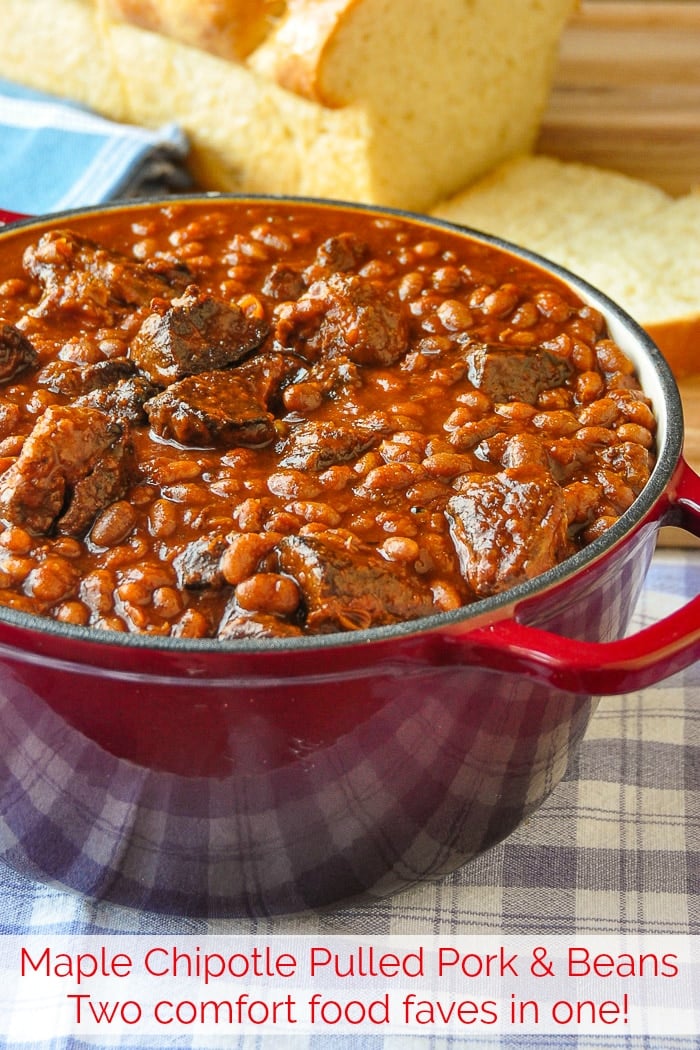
point(243, 779)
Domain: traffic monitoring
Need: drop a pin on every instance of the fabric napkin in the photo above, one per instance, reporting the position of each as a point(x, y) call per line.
point(56, 155)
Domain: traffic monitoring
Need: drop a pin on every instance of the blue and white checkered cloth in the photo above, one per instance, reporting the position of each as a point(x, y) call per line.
point(55, 155)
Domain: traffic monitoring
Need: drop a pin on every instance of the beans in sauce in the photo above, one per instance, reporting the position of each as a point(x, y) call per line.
point(275, 420)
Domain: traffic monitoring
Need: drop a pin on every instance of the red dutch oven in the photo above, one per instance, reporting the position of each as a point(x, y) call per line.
point(235, 778)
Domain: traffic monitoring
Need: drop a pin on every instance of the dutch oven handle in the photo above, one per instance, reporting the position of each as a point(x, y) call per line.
point(595, 668)
point(6, 217)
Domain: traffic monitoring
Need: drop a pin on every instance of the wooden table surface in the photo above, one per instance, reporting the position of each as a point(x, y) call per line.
point(626, 96)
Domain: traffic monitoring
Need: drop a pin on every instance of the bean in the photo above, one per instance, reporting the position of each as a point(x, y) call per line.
point(518, 411)
point(400, 548)
point(525, 316)
point(524, 450)
point(310, 510)
point(192, 624)
point(396, 523)
point(602, 413)
point(447, 464)
point(556, 399)
point(445, 595)
point(635, 411)
point(16, 540)
point(110, 623)
point(335, 478)
point(427, 249)
point(16, 568)
point(389, 477)
point(455, 315)
point(268, 592)
point(476, 401)
point(113, 525)
point(501, 301)
point(411, 285)
point(469, 435)
point(97, 591)
point(595, 436)
point(612, 359)
point(192, 495)
point(168, 471)
point(13, 288)
point(589, 386)
point(283, 522)
point(583, 356)
point(303, 397)
point(552, 306)
point(250, 515)
point(52, 580)
point(167, 602)
point(636, 434)
point(243, 555)
point(293, 484)
point(74, 612)
point(163, 519)
point(425, 492)
point(272, 237)
point(377, 269)
point(581, 500)
point(557, 422)
point(598, 527)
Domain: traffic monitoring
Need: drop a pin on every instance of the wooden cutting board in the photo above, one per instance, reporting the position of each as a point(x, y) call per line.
point(627, 96)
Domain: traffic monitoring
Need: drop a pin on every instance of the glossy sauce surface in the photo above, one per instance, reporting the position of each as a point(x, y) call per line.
point(259, 420)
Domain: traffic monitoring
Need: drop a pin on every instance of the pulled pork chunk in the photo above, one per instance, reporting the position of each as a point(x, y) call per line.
point(211, 409)
point(191, 334)
point(16, 353)
point(344, 315)
point(507, 527)
point(73, 380)
point(506, 374)
point(318, 444)
point(80, 276)
point(72, 465)
point(346, 589)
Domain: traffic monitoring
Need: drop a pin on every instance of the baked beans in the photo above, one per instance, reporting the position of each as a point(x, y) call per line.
point(272, 420)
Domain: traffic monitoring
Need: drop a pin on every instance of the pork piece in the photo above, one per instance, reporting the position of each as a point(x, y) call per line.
point(80, 276)
point(346, 590)
point(107, 482)
point(16, 353)
point(212, 409)
point(236, 624)
point(197, 566)
point(345, 315)
point(316, 445)
point(191, 334)
point(283, 282)
point(507, 527)
point(506, 374)
point(342, 252)
point(67, 446)
point(269, 373)
point(72, 380)
point(123, 401)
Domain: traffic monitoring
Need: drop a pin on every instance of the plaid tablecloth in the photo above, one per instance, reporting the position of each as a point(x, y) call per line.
point(615, 850)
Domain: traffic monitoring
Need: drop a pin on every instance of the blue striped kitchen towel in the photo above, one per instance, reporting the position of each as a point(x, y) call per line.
point(56, 155)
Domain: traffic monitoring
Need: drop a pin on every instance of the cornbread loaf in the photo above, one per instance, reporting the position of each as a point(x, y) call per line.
point(628, 238)
point(374, 100)
point(230, 28)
